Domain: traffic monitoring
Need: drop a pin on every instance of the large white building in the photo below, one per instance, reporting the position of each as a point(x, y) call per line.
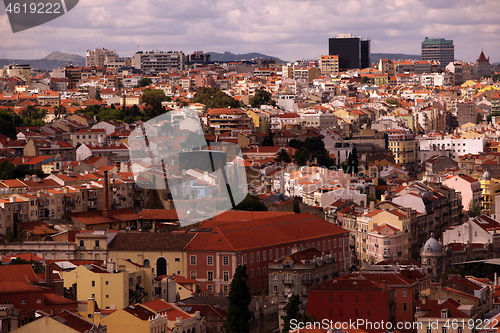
point(151, 62)
point(458, 146)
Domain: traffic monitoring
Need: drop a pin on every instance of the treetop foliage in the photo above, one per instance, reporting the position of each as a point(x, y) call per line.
point(214, 98)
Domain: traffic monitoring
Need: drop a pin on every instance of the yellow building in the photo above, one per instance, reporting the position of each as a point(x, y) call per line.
point(161, 251)
point(155, 317)
point(133, 319)
point(65, 322)
point(371, 220)
point(329, 65)
point(403, 146)
point(123, 284)
point(490, 188)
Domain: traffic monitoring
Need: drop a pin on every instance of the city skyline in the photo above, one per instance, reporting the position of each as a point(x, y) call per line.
point(286, 29)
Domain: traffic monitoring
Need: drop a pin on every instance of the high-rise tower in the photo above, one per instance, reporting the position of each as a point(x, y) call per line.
point(353, 52)
point(439, 49)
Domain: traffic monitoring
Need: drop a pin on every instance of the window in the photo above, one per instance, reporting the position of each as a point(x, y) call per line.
point(251, 257)
point(210, 260)
point(193, 274)
point(23, 301)
point(82, 243)
point(429, 330)
point(329, 244)
point(107, 282)
point(244, 259)
point(251, 273)
point(258, 256)
point(225, 288)
point(210, 288)
point(38, 301)
point(210, 275)
point(264, 271)
point(277, 252)
point(404, 292)
point(177, 259)
point(146, 263)
point(275, 288)
point(225, 261)
point(107, 296)
point(93, 283)
point(270, 254)
point(226, 276)
point(258, 272)
point(443, 330)
point(193, 260)
point(404, 307)
point(282, 251)
point(97, 242)
point(334, 243)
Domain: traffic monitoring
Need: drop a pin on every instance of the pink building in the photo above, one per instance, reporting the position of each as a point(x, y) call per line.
point(385, 242)
point(469, 187)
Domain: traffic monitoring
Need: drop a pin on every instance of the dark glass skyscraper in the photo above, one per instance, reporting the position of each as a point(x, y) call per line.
point(353, 52)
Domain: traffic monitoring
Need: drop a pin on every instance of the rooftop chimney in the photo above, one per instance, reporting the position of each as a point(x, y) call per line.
point(49, 277)
point(106, 194)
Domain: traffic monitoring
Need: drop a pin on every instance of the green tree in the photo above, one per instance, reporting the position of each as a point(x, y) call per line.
point(294, 143)
point(262, 97)
point(283, 156)
point(11, 171)
point(365, 79)
point(33, 116)
point(153, 99)
point(474, 209)
point(146, 81)
point(59, 110)
point(251, 203)
point(239, 315)
point(98, 96)
point(268, 140)
point(292, 311)
point(352, 161)
point(479, 118)
point(496, 78)
point(301, 156)
point(214, 98)
point(7, 124)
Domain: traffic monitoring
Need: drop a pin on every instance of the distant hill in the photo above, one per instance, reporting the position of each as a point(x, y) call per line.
point(375, 57)
point(50, 62)
point(228, 56)
point(60, 56)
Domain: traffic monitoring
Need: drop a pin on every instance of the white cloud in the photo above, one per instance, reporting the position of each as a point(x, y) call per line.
point(289, 29)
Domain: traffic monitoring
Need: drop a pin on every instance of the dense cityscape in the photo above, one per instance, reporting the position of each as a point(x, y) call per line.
point(325, 191)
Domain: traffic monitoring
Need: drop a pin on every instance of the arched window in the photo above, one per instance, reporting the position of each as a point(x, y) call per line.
point(146, 263)
point(161, 266)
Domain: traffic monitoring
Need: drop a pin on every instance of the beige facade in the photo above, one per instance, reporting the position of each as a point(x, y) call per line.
point(329, 65)
point(111, 289)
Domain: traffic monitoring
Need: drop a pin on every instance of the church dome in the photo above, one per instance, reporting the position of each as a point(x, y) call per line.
point(432, 246)
point(486, 175)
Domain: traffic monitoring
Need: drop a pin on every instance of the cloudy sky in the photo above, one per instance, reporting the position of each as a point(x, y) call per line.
point(288, 29)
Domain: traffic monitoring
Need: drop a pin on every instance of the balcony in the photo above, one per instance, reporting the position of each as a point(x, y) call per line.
point(307, 282)
point(287, 282)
